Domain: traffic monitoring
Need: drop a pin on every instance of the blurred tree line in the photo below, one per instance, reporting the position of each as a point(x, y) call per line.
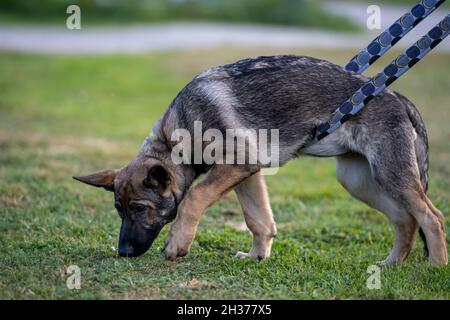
point(307, 13)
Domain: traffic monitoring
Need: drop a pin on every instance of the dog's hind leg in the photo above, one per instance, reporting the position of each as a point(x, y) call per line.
point(354, 173)
point(394, 168)
point(431, 221)
point(254, 200)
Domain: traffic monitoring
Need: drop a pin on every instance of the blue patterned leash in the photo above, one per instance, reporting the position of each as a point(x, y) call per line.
point(381, 44)
point(384, 78)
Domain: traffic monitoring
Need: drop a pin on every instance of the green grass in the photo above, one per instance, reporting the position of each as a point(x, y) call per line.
point(61, 116)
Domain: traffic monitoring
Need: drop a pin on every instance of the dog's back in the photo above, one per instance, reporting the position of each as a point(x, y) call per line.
point(291, 93)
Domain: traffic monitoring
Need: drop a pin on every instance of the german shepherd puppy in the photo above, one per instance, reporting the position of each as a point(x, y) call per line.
point(381, 156)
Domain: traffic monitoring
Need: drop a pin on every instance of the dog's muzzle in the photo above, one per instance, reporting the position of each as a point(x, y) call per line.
point(134, 245)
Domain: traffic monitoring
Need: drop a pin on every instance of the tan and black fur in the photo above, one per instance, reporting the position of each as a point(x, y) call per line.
point(381, 156)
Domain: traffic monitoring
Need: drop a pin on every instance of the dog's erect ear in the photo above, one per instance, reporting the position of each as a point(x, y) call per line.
point(158, 178)
point(103, 179)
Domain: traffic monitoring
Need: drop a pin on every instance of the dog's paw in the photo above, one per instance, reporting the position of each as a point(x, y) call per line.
point(241, 255)
point(171, 253)
point(387, 262)
point(174, 248)
point(244, 255)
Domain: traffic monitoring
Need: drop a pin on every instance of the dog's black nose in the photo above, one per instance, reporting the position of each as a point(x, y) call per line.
point(126, 250)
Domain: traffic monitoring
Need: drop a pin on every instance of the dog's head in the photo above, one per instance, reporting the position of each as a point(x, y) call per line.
point(145, 194)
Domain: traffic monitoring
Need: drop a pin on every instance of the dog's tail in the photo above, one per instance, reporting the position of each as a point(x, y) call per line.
point(421, 146)
point(421, 143)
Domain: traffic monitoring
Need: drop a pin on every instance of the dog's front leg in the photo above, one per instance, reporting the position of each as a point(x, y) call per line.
point(220, 179)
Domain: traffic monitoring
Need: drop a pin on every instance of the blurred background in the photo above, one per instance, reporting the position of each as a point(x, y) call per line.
point(110, 26)
point(76, 101)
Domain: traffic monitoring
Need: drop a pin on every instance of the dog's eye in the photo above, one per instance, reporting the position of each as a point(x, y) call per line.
point(138, 208)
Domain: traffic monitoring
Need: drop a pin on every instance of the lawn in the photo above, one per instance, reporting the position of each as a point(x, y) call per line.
point(61, 116)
